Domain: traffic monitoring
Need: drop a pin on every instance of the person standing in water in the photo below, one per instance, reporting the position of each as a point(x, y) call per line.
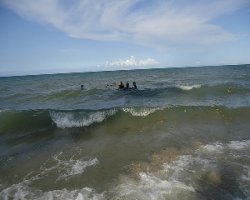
point(134, 85)
point(121, 86)
point(127, 85)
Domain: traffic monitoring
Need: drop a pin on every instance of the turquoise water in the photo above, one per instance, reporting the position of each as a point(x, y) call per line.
point(184, 134)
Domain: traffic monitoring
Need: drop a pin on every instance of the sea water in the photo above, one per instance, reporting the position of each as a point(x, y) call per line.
point(183, 134)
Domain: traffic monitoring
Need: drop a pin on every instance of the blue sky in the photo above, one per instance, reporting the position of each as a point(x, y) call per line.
point(53, 36)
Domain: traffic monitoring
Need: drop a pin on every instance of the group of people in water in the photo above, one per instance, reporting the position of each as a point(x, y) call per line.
point(121, 85)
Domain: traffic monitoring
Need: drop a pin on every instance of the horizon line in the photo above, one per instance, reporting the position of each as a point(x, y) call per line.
point(136, 69)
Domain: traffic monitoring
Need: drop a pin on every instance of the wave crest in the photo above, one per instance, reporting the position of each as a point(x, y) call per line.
point(64, 119)
point(188, 87)
point(140, 112)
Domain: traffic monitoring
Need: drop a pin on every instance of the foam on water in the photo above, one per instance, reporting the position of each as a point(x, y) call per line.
point(22, 191)
point(81, 194)
point(74, 167)
point(188, 87)
point(150, 187)
point(69, 167)
point(219, 147)
point(79, 119)
point(15, 192)
point(216, 147)
point(246, 175)
point(140, 112)
point(80, 166)
point(65, 169)
point(238, 145)
point(179, 177)
point(178, 166)
point(166, 183)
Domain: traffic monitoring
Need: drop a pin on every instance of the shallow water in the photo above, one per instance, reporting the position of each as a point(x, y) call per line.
point(184, 134)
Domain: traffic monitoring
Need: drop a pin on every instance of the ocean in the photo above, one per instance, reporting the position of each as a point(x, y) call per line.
point(183, 134)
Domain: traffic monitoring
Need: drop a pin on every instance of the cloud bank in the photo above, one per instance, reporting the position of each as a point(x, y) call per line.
point(132, 63)
point(151, 23)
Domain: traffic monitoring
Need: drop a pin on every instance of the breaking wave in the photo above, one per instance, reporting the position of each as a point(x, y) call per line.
point(79, 119)
point(188, 87)
point(140, 112)
point(30, 121)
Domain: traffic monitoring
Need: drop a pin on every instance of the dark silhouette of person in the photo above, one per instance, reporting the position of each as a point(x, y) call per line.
point(134, 85)
point(82, 87)
point(121, 86)
point(127, 85)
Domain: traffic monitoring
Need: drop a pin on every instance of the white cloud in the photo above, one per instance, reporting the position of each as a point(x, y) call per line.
point(155, 23)
point(131, 63)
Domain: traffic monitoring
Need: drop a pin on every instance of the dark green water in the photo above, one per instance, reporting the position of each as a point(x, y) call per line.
point(184, 134)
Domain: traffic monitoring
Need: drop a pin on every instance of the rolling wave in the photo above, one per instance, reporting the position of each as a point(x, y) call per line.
point(35, 120)
point(165, 95)
point(24, 121)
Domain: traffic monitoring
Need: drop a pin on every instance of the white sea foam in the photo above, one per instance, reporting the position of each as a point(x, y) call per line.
point(70, 167)
point(15, 192)
point(214, 148)
point(79, 119)
point(80, 194)
point(80, 166)
point(140, 112)
point(150, 187)
point(177, 167)
point(219, 147)
point(73, 167)
point(246, 175)
point(188, 87)
point(22, 191)
point(179, 177)
point(238, 145)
